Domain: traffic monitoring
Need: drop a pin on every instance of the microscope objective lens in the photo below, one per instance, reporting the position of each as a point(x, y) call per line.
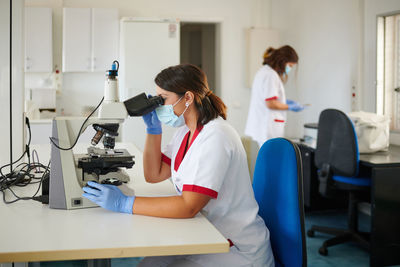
point(96, 138)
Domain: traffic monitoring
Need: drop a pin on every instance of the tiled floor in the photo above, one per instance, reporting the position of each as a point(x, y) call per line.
point(344, 255)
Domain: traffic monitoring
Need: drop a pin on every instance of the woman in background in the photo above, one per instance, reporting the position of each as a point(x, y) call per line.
point(268, 104)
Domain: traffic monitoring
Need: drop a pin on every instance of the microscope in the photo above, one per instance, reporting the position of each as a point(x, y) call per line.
point(70, 172)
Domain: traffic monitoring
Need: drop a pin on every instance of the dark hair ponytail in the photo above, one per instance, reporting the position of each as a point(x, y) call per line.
point(278, 58)
point(187, 77)
point(210, 106)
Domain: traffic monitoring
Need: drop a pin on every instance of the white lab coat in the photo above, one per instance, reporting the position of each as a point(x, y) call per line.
point(264, 123)
point(215, 165)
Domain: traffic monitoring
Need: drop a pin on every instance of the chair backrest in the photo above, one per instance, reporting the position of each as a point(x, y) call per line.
point(337, 143)
point(278, 189)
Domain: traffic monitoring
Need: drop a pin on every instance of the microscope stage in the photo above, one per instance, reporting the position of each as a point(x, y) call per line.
point(102, 161)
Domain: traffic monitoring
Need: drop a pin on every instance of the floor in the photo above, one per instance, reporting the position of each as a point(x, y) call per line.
point(344, 255)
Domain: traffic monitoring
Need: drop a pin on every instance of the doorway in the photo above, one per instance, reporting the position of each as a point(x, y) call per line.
point(199, 45)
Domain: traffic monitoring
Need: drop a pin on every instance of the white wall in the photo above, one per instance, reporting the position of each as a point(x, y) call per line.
point(335, 40)
point(234, 15)
point(326, 35)
point(17, 80)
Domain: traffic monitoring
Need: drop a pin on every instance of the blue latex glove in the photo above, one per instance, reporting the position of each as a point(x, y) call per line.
point(289, 101)
point(152, 122)
point(294, 106)
point(109, 197)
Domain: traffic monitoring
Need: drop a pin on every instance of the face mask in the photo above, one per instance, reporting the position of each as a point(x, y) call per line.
point(287, 69)
point(167, 116)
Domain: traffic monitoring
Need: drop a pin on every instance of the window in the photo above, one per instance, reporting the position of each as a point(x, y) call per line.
point(388, 69)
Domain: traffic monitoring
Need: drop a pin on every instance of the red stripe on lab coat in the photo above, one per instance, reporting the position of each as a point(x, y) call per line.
point(271, 98)
point(199, 189)
point(279, 120)
point(182, 149)
point(165, 159)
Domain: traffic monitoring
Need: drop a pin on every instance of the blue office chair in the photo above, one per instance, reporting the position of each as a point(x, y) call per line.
point(278, 189)
point(337, 158)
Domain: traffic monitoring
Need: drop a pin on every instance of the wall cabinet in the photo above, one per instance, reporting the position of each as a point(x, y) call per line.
point(38, 39)
point(90, 39)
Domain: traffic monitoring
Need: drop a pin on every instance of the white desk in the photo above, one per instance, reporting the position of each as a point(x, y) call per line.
point(31, 231)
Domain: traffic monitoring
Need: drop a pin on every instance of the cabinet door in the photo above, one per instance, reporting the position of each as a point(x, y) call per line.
point(38, 39)
point(105, 36)
point(76, 55)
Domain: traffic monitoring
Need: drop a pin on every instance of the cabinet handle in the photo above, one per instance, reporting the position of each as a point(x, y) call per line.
point(94, 63)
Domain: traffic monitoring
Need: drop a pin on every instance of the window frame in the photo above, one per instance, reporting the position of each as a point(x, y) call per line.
point(388, 71)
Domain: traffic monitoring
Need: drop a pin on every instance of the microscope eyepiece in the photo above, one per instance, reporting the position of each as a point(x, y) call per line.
point(157, 100)
point(141, 105)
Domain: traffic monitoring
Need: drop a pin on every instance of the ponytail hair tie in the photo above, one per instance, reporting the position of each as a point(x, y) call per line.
point(209, 93)
point(268, 52)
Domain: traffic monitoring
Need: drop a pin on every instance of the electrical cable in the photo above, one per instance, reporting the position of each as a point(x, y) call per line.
point(34, 152)
point(20, 175)
point(11, 133)
point(116, 61)
point(80, 130)
point(21, 182)
point(23, 154)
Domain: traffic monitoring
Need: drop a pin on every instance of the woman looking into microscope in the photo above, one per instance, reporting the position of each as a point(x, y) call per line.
point(207, 165)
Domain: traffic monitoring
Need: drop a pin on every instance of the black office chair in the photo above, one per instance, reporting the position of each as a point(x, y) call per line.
point(337, 158)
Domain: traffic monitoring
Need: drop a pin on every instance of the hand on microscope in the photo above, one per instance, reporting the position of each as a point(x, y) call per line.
point(152, 122)
point(109, 197)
